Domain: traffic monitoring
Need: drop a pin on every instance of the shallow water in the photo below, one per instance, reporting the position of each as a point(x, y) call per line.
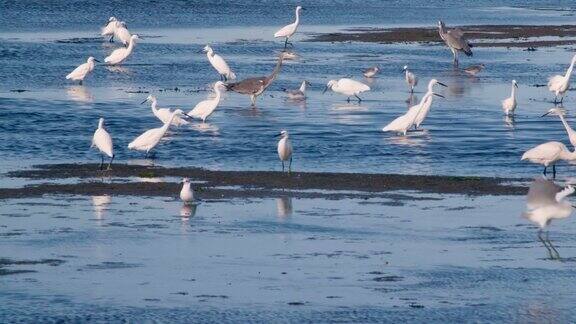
point(53, 120)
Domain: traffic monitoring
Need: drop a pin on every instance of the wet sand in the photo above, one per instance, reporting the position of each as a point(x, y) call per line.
point(479, 35)
point(217, 184)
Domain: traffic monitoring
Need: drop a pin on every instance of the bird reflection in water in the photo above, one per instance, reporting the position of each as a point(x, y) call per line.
point(188, 210)
point(509, 121)
point(100, 204)
point(284, 207)
point(547, 201)
point(80, 94)
point(412, 100)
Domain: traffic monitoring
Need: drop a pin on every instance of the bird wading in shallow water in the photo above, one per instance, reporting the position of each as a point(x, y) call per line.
point(103, 142)
point(569, 131)
point(548, 154)
point(119, 55)
point(289, 30)
point(347, 87)
point(285, 149)
point(559, 84)
point(82, 70)
point(371, 71)
point(411, 78)
point(455, 40)
point(150, 138)
point(205, 108)
point(219, 64)
point(299, 94)
point(187, 193)
point(509, 104)
point(163, 114)
point(109, 28)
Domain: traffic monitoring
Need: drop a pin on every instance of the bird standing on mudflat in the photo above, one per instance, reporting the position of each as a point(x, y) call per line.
point(285, 149)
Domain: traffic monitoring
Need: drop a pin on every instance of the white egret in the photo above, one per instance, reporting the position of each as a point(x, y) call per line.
point(205, 108)
point(455, 40)
point(164, 114)
point(571, 132)
point(559, 84)
point(371, 71)
point(289, 30)
point(187, 193)
point(119, 55)
point(548, 154)
point(403, 123)
point(299, 94)
point(425, 106)
point(347, 87)
point(103, 142)
point(109, 28)
point(82, 70)
point(121, 33)
point(285, 149)
point(509, 104)
point(150, 138)
point(411, 79)
point(219, 64)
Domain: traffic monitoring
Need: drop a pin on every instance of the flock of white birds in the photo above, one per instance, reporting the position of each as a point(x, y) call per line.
point(546, 154)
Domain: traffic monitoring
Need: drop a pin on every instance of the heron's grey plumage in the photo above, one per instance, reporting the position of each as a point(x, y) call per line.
point(455, 40)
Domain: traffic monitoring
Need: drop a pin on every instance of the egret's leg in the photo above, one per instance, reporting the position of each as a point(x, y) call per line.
point(554, 171)
point(282, 165)
point(544, 170)
point(111, 39)
point(286, 43)
point(109, 164)
point(554, 254)
point(348, 99)
point(290, 165)
point(102, 161)
point(359, 99)
point(80, 82)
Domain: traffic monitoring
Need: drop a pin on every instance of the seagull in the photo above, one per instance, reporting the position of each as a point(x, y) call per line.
point(455, 40)
point(371, 71)
point(559, 84)
point(571, 132)
point(425, 107)
point(164, 114)
point(347, 87)
point(219, 64)
point(205, 108)
point(103, 142)
point(109, 28)
point(474, 69)
point(403, 123)
point(186, 194)
point(82, 70)
point(411, 79)
point(509, 104)
point(299, 94)
point(119, 55)
point(257, 85)
point(289, 30)
point(150, 138)
point(121, 32)
point(285, 149)
point(548, 154)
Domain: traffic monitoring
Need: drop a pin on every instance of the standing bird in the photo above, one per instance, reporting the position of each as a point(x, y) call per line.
point(257, 85)
point(411, 79)
point(571, 132)
point(347, 87)
point(509, 104)
point(119, 55)
point(121, 33)
point(285, 149)
point(474, 69)
point(82, 70)
point(403, 123)
point(455, 40)
point(299, 94)
point(289, 30)
point(205, 108)
point(219, 64)
point(187, 193)
point(559, 84)
point(164, 114)
point(103, 142)
point(109, 28)
point(426, 105)
point(371, 71)
point(548, 154)
point(150, 138)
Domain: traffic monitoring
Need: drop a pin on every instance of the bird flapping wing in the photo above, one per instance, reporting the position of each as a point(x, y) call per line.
point(542, 192)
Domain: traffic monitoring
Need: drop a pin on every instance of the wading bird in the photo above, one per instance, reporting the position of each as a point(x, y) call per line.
point(455, 40)
point(474, 69)
point(121, 33)
point(164, 114)
point(509, 104)
point(82, 70)
point(257, 85)
point(289, 30)
point(219, 64)
point(571, 132)
point(103, 142)
point(559, 84)
point(371, 71)
point(285, 149)
point(425, 106)
point(403, 123)
point(411, 79)
point(299, 94)
point(205, 108)
point(186, 194)
point(109, 28)
point(119, 55)
point(150, 138)
point(347, 87)
point(548, 154)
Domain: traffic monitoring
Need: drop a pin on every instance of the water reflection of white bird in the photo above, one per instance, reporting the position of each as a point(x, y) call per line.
point(547, 201)
point(82, 70)
point(100, 204)
point(548, 154)
point(163, 114)
point(149, 139)
point(509, 104)
point(187, 193)
point(285, 149)
point(79, 93)
point(284, 207)
point(347, 87)
point(188, 210)
point(289, 30)
point(559, 84)
point(109, 28)
point(119, 55)
point(571, 132)
point(103, 141)
point(219, 64)
point(205, 108)
point(411, 78)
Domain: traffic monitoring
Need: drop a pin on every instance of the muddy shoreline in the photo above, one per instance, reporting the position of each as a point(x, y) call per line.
point(230, 184)
point(479, 35)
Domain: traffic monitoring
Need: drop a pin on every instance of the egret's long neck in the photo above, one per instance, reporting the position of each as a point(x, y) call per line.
point(131, 45)
point(430, 88)
point(569, 129)
point(569, 71)
point(210, 52)
point(513, 93)
point(100, 124)
point(153, 105)
point(297, 17)
point(166, 125)
point(218, 93)
point(303, 87)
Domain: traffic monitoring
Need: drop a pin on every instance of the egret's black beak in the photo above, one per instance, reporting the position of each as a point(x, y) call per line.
point(185, 114)
point(143, 102)
point(442, 84)
point(516, 85)
point(546, 114)
point(279, 134)
point(303, 8)
point(95, 60)
point(439, 95)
